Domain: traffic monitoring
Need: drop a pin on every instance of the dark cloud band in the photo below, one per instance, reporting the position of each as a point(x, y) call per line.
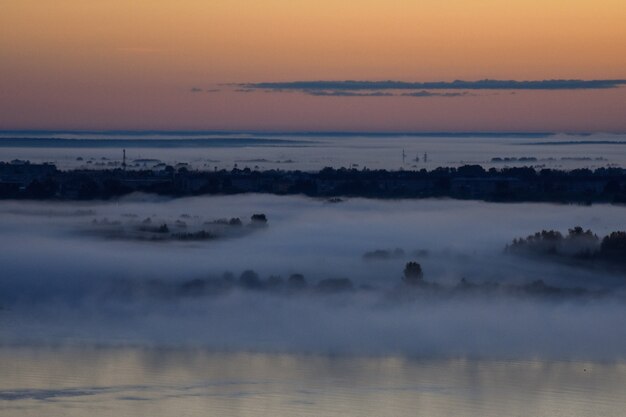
point(350, 85)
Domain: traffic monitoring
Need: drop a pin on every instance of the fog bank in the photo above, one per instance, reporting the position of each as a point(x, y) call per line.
point(60, 282)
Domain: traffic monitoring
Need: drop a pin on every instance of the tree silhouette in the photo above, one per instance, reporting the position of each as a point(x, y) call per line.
point(259, 219)
point(413, 274)
point(613, 247)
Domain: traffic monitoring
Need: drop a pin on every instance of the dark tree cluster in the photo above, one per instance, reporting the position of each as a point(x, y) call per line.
point(613, 247)
point(413, 274)
point(248, 280)
point(413, 287)
point(384, 254)
point(147, 230)
point(34, 181)
point(578, 245)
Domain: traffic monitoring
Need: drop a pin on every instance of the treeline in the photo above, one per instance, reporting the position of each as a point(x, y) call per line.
point(411, 285)
point(465, 182)
point(578, 244)
point(161, 231)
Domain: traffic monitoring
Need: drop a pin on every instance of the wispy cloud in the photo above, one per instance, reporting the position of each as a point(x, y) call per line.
point(200, 90)
point(392, 88)
point(424, 93)
point(340, 93)
point(486, 84)
point(375, 93)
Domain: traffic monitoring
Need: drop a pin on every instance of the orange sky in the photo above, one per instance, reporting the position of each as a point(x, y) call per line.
point(124, 64)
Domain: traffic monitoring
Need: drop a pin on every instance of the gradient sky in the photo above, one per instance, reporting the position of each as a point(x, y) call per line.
point(132, 64)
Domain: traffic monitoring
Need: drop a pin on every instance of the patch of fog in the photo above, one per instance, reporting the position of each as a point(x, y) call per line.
point(56, 283)
point(478, 327)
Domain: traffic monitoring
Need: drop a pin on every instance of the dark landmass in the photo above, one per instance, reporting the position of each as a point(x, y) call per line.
point(578, 247)
point(19, 134)
point(23, 180)
point(392, 254)
point(410, 286)
point(384, 254)
point(579, 142)
point(45, 142)
point(156, 230)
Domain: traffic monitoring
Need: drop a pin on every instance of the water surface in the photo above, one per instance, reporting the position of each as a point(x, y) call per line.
point(130, 381)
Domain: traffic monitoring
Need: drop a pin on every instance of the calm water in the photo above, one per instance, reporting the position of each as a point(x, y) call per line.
point(133, 382)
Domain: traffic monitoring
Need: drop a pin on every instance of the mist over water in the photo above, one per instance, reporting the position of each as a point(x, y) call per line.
point(64, 284)
point(309, 151)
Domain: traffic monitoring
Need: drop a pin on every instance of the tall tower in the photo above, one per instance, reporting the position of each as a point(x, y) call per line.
point(124, 159)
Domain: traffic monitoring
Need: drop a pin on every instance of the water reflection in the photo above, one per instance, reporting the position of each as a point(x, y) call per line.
point(156, 382)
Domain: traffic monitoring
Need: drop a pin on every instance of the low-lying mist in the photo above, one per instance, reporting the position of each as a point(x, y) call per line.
point(66, 278)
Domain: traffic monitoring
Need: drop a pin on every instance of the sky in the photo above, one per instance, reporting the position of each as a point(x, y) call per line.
point(223, 64)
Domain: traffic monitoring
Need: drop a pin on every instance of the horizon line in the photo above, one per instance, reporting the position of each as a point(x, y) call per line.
point(305, 132)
